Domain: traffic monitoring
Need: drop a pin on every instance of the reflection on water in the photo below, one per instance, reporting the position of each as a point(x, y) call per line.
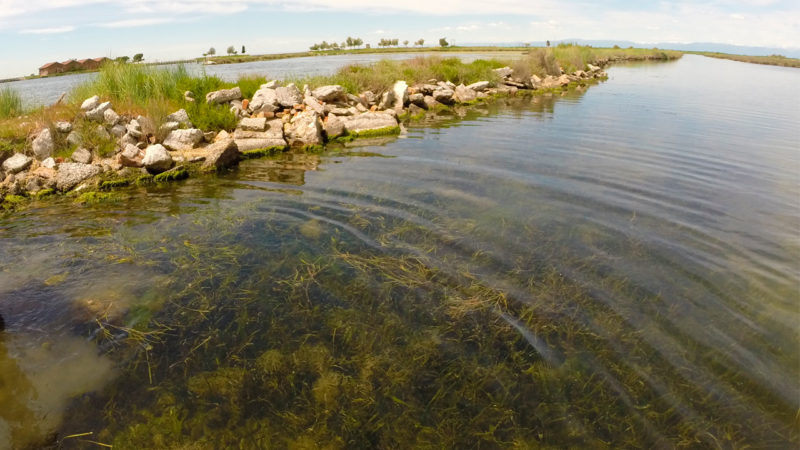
point(613, 268)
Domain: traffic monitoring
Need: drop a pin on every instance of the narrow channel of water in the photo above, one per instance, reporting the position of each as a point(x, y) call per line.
point(613, 268)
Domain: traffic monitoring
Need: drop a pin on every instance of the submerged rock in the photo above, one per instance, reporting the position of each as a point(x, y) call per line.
point(71, 174)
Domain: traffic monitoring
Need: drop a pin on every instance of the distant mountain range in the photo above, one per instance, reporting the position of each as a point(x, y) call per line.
point(692, 46)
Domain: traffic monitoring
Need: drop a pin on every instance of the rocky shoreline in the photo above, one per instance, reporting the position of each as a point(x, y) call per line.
point(277, 118)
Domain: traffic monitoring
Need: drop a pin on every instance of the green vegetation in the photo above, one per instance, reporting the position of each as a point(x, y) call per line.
point(178, 173)
point(11, 202)
point(108, 185)
point(771, 60)
point(262, 152)
point(388, 131)
point(93, 197)
point(10, 103)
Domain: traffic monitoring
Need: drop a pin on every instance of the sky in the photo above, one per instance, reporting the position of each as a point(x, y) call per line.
point(33, 32)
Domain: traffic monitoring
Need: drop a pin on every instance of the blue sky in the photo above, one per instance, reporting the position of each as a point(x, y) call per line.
point(33, 32)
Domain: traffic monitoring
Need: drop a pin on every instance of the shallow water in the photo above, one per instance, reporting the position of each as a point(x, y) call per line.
point(611, 268)
point(45, 91)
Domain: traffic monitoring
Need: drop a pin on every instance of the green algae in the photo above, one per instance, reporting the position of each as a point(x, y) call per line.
point(108, 185)
point(263, 152)
point(378, 132)
point(176, 174)
point(93, 197)
point(12, 202)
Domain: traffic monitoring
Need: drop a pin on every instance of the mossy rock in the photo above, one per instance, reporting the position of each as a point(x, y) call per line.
point(144, 180)
point(263, 152)
point(178, 173)
point(13, 202)
point(93, 197)
point(114, 184)
point(386, 131)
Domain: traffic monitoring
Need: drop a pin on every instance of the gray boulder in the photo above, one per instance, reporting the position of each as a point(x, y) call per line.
point(464, 94)
point(43, 145)
point(16, 163)
point(82, 156)
point(180, 116)
point(504, 72)
point(480, 86)
point(430, 102)
point(369, 121)
point(443, 95)
point(304, 129)
point(270, 85)
point(334, 126)
point(313, 104)
point(387, 100)
point(71, 174)
point(224, 96)
point(289, 96)
point(329, 93)
point(101, 133)
point(49, 163)
point(156, 158)
point(131, 156)
point(111, 117)
point(221, 155)
point(417, 99)
point(135, 129)
point(118, 130)
point(179, 140)
point(265, 99)
point(168, 127)
point(98, 113)
point(253, 124)
point(63, 127)
point(90, 103)
point(74, 139)
point(258, 143)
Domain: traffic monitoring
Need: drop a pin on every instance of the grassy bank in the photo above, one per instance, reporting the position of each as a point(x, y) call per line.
point(10, 103)
point(772, 60)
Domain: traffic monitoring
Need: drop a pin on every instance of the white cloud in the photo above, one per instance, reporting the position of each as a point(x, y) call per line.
point(54, 30)
point(130, 23)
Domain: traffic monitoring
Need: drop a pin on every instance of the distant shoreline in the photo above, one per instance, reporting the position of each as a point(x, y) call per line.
point(774, 60)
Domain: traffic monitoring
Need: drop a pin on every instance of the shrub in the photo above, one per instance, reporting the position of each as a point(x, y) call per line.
point(10, 103)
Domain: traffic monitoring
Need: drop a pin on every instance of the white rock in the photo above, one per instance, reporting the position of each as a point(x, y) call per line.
point(43, 145)
point(265, 99)
point(17, 163)
point(224, 95)
point(90, 103)
point(131, 156)
point(111, 117)
point(304, 129)
point(464, 94)
point(49, 163)
point(369, 121)
point(63, 127)
point(334, 126)
point(329, 93)
point(270, 85)
point(400, 90)
point(480, 86)
point(82, 156)
point(183, 139)
point(98, 114)
point(253, 124)
point(71, 174)
point(180, 116)
point(156, 158)
point(289, 96)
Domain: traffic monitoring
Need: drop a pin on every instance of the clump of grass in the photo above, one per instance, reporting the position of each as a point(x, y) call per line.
point(10, 103)
point(380, 77)
point(211, 117)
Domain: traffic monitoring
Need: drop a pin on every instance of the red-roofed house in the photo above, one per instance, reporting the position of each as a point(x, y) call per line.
point(50, 69)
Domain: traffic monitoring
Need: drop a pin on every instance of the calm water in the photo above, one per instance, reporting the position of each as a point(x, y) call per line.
point(614, 268)
point(45, 91)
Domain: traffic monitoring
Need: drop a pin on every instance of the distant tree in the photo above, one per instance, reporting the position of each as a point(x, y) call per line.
point(343, 45)
point(350, 41)
point(358, 42)
point(395, 42)
point(527, 44)
point(243, 52)
point(368, 46)
point(420, 42)
point(122, 59)
point(211, 51)
point(616, 47)
point(405, 43)
point(335, 46)
point(443, 42)
point(314, 47)
point(324, 45)
point(231, 50)
point(548, 43)
point(139, 57)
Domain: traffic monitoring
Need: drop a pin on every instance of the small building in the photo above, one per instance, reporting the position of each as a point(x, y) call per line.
point(50, 69)
point(70, 65)
point(92, 64)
